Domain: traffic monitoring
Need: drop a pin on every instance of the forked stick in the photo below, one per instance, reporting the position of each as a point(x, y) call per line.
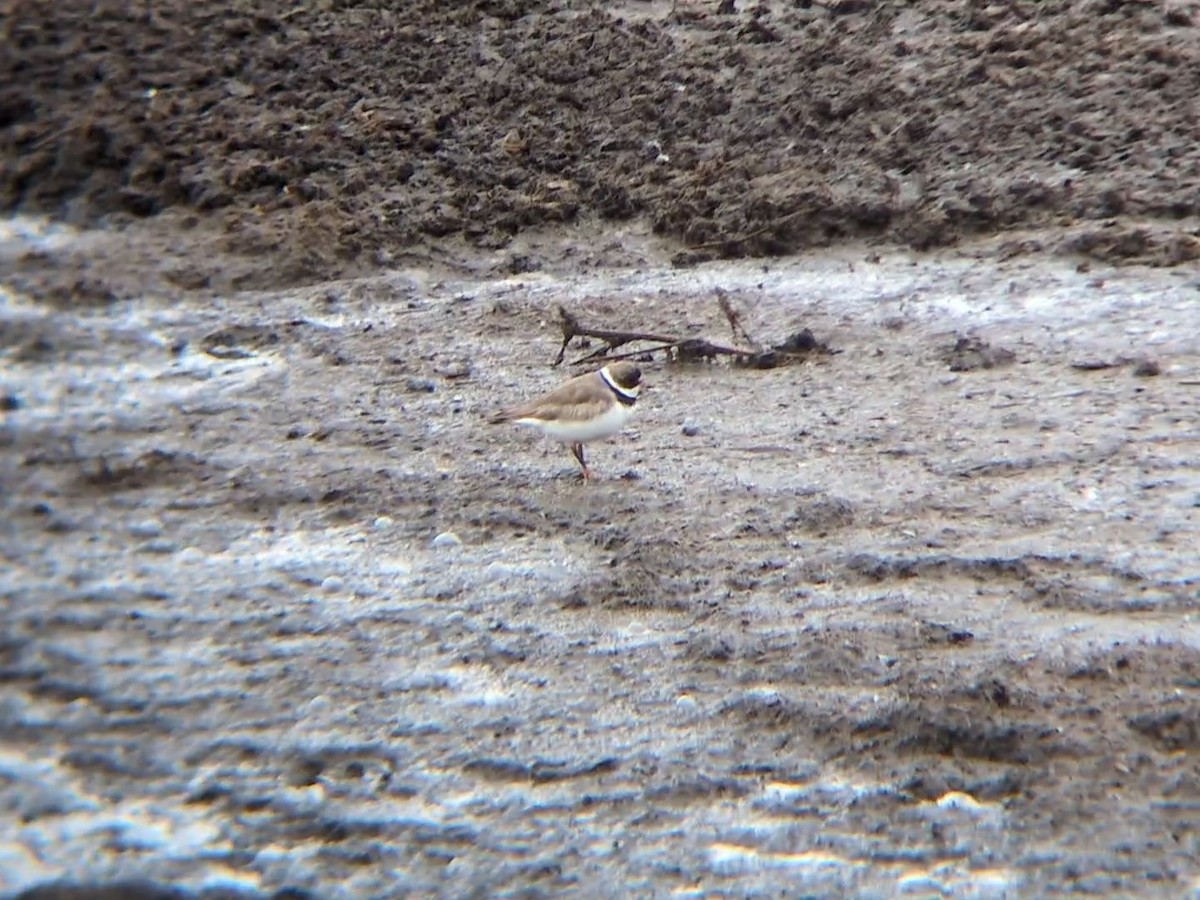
point(797, 346)
point(612, 339)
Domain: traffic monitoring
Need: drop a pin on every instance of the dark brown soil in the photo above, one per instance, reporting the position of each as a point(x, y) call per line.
point(322, 138)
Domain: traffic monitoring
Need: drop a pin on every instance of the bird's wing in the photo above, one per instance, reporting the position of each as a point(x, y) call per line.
point(573, 400)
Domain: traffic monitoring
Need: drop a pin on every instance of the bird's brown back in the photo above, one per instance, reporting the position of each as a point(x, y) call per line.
point(583, 397)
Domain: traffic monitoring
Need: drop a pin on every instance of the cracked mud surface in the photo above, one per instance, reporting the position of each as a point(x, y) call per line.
point(281, 614)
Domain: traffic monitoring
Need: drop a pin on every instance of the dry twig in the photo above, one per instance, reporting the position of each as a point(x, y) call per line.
point(612, 339)
point(735, 320)
point(798, 345)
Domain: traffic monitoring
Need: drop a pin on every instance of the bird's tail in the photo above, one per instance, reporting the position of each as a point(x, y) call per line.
point(504, 415)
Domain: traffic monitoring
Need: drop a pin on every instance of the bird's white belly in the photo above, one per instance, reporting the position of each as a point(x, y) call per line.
point(583, 431)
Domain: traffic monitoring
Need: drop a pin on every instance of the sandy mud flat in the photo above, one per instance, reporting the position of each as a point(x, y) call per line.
point(914, 617)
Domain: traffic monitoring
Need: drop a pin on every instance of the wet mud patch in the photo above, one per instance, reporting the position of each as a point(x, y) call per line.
point(117, 890)
point(57, 280)
point(1125, 244)
point(821, 515)
point(1072, 581)
point(1174, 730)
point(970, 353)
point(868, 619)
point(234, 340)
point(32, 341)
point(154, 467)
point(640, 569)
point(1099, 594)
point(929, 730)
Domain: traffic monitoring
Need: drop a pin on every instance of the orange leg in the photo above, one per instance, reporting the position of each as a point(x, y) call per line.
point(577, 450)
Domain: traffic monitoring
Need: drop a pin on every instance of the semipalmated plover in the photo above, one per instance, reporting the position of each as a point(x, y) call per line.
point(587, 408)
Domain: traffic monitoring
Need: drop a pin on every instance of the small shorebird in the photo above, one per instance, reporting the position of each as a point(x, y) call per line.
point(586, 408)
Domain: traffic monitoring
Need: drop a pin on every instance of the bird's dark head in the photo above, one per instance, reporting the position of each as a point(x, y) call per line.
point(623, 377)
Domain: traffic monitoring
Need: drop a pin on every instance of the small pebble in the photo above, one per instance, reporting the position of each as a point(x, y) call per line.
point(690, 429)
point(159, 545)
point(420, 386)
point(447, 539)
point(332, 584)
point(1147, 368)
point(382, 523)
point(959, 800)
point(459, 368)
point(147, 528)
point(221, 351)
point(317, 704)
point(10, 402)
point(191, 554)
